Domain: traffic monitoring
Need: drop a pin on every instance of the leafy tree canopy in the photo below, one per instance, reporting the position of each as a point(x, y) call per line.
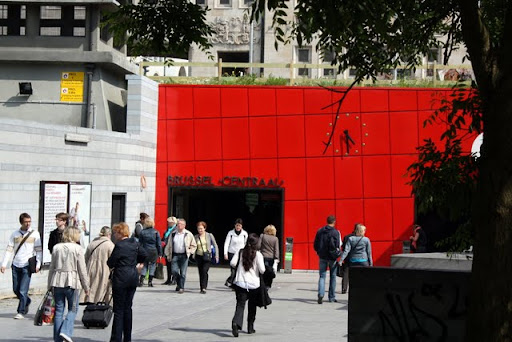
point(160, 27)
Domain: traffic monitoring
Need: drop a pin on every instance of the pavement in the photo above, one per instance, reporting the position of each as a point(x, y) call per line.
point(161, 314)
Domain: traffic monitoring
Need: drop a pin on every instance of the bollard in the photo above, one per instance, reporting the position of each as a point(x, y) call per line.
point(406, 247)
point(288, 255)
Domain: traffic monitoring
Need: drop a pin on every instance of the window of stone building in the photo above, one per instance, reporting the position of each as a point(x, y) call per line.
point(223, 3)
point(201, 2)
point(328, 57)
point(68, 21)
point(12, 20)
point(304, 56)
point(434, 55)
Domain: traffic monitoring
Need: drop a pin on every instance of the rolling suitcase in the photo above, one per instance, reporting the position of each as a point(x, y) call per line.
point(97, 315)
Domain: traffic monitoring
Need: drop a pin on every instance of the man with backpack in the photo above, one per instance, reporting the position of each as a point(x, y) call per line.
point(328, 247)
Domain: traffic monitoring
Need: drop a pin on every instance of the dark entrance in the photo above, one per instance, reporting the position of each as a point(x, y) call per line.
point(234, 57)
point(220, 207)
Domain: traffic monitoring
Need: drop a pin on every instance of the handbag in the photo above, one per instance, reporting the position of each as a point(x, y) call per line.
point(38, 317)
point(263, 299)
point(32, 264)
point(159, 270)
point(48, 309)
point(340, 269)
point(207, 255)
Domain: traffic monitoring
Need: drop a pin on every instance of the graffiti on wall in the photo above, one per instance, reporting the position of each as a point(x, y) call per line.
point(424, 314)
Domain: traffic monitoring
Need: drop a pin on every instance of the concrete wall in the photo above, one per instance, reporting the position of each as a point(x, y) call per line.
point(113, 162)
point(390, 304)
point(433, 261)
point(44, 104)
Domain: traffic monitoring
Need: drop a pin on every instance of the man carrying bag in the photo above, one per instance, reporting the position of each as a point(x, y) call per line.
point(23, 244)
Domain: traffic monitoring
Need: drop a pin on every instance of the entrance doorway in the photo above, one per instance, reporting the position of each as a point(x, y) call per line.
point(118, 208)
point(220, 207)
point(234, 57)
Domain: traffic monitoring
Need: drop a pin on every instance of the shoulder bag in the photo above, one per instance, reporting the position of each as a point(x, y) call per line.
point(263, 299)
point(341, 268)
point(32, 261)
point(207, 255)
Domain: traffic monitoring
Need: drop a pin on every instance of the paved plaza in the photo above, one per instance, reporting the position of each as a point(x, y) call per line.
point(161, 314)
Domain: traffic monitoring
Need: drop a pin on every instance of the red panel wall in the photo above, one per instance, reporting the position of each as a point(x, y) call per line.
point(280, 132)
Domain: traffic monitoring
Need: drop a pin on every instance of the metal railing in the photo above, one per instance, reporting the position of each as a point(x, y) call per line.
point(424, 72)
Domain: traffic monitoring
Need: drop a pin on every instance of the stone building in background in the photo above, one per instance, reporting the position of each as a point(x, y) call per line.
point(72, 111)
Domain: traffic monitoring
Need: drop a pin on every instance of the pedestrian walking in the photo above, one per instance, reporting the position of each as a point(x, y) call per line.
point(270, 251)
point(66, 277)
point(180, 246)
point(24, 244)
point(171, 225)
point(248, 263)
point(203, 255)
point(149, 238)
point(96, 256)
point(328, 247)
point(235, 240)
point(126, 261)
point(358, 250)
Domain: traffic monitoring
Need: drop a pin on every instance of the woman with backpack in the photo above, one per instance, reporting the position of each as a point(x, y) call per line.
point(149, 239)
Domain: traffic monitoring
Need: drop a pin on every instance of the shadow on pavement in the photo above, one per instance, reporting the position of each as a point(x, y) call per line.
point(218, 332)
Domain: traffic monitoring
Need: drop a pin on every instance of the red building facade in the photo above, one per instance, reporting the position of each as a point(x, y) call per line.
point(247, 137)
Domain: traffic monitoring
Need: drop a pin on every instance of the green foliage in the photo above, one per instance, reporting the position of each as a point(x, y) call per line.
point(160, 27)
point(461, 240)
point(444, 180)
point(371, 36)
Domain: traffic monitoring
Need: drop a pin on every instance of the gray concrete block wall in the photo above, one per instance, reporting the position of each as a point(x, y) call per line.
point(433, 261)
point(393, 304)
point(113, 162)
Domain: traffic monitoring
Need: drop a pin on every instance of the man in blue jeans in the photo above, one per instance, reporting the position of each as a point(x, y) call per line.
point(179, 247)
point(328, 247)
point(23, 244)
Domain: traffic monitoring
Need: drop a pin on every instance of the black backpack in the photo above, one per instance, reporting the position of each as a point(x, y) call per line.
point(334, 250)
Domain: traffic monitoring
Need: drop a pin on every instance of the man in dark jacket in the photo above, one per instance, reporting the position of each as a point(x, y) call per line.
point(328, 247)
point(61, 220)
point(139, 225)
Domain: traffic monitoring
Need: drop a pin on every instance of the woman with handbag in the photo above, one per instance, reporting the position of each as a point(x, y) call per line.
point(248, 263)
point(67, 276)
point(203, 254)
point(270, 251)
point(126, 260)
point(357, 251)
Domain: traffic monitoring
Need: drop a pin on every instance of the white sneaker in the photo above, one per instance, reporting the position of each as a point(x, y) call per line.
point(65, 337)
point(18, 316)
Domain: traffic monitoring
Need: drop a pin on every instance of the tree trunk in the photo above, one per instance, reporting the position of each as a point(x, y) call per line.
point(490, 310)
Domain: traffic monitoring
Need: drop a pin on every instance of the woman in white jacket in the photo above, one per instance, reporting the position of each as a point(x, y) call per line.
point(235, 240)
point(67, 276)
point(248, 263)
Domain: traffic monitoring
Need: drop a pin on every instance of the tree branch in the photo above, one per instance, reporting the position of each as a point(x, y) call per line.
point(476, 36)
point(339, 102)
